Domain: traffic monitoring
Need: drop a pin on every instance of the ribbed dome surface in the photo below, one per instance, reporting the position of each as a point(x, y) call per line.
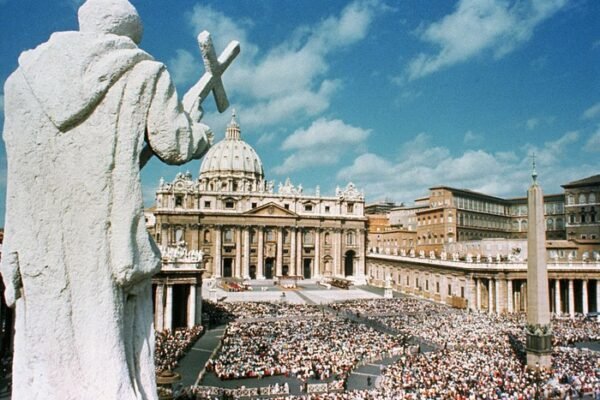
point(231, 156)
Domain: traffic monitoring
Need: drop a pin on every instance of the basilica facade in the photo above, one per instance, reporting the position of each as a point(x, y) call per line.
point(246, 228)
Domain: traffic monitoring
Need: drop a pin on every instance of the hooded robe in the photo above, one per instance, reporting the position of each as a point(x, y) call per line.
point(78, 111)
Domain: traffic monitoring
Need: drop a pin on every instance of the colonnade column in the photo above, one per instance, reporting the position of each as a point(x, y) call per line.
point(217, 264)
point(584, 296)
point(524, 294)
point(279, 260)
point(238, 253)
point(490, 295)
point(246, 273)
point(478, 294)
point(260, 274)
point(471, 292)
point(509, 296)
point(571, 298)
point(498, 292)
point(159, 307)
point(598, 298)
point(557, 300)
point(169, 309)
point(317, 253)
point(198, 300)
point(191, 307)
point(292, 269)
point(299, 265)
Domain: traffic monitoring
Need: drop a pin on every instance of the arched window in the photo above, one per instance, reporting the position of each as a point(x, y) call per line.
point(582, 199)
point(228, 235)
point(327, 238)
point(207, 236)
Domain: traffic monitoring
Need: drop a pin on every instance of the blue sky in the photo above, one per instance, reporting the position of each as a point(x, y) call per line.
point(395, 96)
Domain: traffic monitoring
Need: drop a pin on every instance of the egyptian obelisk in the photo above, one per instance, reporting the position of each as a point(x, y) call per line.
point(539, 332)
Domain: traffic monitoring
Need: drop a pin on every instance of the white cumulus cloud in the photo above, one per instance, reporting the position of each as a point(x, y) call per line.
point(475, 26)
point(593, 143)
point(592, 112)
point(260, 80)
point(322, 143)
point(421, 165)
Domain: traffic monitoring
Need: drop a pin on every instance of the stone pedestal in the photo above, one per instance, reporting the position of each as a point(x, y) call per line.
point(388, 293)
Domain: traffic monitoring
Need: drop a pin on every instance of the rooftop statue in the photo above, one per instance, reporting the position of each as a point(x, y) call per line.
point(83, 112)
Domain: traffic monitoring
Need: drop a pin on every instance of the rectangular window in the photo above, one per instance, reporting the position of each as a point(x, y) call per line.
point(308, 207)
point(254, 205)
point(350, 208)
point(178, 201)
point(207, 204)
point(462, 292)
point(326, 209)
point(286, 206)
point(449, 290)
point(229, 204)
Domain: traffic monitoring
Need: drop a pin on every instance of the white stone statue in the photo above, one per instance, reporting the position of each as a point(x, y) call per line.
point(421, 254)
point(478, 258)
point(469, 258)
point(432, 255)
point(83, 111)
point(412, 253)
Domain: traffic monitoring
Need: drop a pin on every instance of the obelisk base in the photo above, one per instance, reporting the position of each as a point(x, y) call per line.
point(539, 347)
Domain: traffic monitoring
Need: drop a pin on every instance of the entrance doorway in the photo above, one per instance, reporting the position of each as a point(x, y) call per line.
point(181, 294)
point(253, 272)
point(307, 268)
point(285, 270)
point(269, 268)
point(227, 267)
point(349, 263)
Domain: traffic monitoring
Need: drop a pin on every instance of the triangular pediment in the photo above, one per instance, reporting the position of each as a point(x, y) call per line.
point(271, 210)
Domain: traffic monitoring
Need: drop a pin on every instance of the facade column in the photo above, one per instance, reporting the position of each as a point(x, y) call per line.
point(317, 253)
point(337, 245)
point(292, 267)
point(584, 297)
point(260, 274)
point(238, 253)
point(509, 296)
point(478, 294)
point(279, 260)
point(169, 309)
point(191, 307)
point(246, 273)
point(571, 298)
point(218, 263)
point(159, 307)
point(557, 300)
point(299, 262)
point(490, 295)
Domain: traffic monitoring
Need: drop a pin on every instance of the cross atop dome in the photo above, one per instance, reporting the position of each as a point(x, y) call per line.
point(233, 129)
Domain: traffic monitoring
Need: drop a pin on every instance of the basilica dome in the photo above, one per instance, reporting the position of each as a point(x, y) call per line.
point(231, 160)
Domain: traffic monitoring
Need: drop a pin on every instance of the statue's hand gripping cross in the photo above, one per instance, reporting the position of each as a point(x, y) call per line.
point(211, 80)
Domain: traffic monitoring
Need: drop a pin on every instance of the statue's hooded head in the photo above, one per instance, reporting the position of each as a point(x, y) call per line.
point(118, 17)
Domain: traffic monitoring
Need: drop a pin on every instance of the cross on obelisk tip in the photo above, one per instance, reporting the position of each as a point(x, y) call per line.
point(534, 172)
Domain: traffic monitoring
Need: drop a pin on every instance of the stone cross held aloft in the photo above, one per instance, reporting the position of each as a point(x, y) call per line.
point(211, 80)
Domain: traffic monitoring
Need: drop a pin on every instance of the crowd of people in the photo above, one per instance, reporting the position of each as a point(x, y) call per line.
point(304, 348)
point(170, 346)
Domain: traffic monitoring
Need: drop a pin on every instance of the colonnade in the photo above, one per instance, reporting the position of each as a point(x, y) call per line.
point(164, 305)
point(503, 291)
point(510, 295)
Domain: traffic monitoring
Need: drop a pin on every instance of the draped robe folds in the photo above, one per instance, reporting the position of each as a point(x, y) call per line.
point(78, 112)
